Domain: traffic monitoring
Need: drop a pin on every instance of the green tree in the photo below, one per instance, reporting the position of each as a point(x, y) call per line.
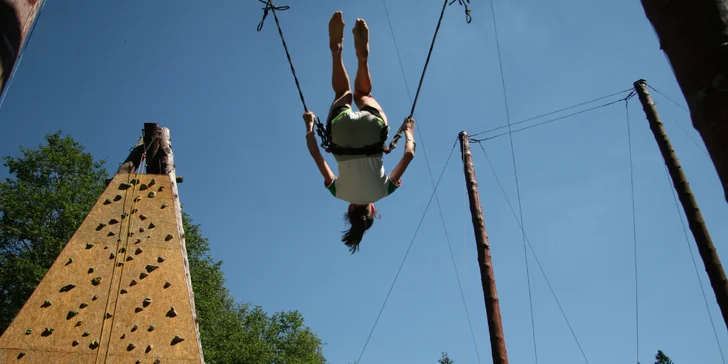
point(661, 358)
point(445, 359)
point(54, 188)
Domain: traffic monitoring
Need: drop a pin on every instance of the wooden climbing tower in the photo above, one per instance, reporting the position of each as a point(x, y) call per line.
point(120, 291)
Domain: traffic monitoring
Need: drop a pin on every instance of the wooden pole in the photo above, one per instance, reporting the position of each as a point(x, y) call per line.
point(487, 276)
point(694, 36)
point(707, 250)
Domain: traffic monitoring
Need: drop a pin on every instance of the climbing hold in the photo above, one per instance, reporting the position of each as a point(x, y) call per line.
point(108, 315)
point(107, 202)
point(134, 328)
point(106, 247)
point(90, 270)
point(123, 291)
point(138, 241)
point(161, 260)
point(133, 283)
point(157, 361)
point(124, 215)
point(151, 225)
point(143, 187)
point(46, 304)
point(67, 288)
point(94, 344)
point(138, 309)
point(168, 237)
point(149, 348)
point(28, 331)
point(96, 281)
point(75, 343)
point(134, 211)
point(152, 182)
point(177, 339)
point(94, 298)
point(130, 347)
point(161, 188)
point(164, 205)
point(86, 333)
point(143, 217)
point(117, 197)
point(137, 199)
point(113, 221)
point(147, 302)
point(119, 264)
point(101, 226)
point(47, 331)
point(138, 251)
point(71, 314)
point(151, 328)
point(111, 233)
point(167, 284)
point(112, 256)
point(70, 260)
point(83, 305)
point(21, 355)
point(129, 258)
point(79, 323)
point(152, 194)
point(141, 229)
point(142, 275)
point(124, 186)
point(151, 268)
point(172, 312)
point(89, 245)
point(134, 181)
point(123, 336)
point(122, 250)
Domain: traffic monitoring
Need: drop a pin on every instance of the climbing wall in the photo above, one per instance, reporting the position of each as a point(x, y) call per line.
point(120, 291)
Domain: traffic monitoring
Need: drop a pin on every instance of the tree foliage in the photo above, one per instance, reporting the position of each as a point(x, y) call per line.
point(661, 358)
point(54, 188)
point(444, 359)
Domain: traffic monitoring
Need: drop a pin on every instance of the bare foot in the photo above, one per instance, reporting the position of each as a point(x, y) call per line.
point(336, 32)
point(361, 39)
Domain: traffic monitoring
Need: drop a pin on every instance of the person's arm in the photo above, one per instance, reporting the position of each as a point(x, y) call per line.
point(409, 153)
point(313, 149)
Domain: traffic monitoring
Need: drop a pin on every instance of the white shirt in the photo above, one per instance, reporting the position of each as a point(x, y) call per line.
point(362, 181)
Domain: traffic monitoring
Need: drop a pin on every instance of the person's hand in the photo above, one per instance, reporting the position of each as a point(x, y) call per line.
point(309, 118)
point(409, 125)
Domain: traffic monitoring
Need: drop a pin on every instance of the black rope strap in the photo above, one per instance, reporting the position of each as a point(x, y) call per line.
point(468, 19)
point(269, 7)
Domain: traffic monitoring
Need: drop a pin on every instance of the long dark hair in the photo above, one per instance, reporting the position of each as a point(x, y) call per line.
point(360, 219)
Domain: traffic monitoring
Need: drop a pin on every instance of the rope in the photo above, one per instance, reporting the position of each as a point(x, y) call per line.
point(634, 234)
point(468, 19)
point(538, 262)
point(406, 253)
point(432, 178)
point(269, 7)
point(21, 53)
point(552, 120)
point(553, 112)
point(692, 259)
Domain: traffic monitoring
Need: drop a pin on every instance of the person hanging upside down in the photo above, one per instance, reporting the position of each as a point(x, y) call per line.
point(357, 138)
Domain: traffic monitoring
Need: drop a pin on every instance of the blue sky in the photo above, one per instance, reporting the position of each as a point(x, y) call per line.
point(99, 70)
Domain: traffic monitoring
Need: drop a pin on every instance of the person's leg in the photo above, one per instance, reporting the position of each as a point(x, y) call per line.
point(339, 77)
point(363, 81)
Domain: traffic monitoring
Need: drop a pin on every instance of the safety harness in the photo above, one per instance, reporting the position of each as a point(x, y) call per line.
point(329, 146)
